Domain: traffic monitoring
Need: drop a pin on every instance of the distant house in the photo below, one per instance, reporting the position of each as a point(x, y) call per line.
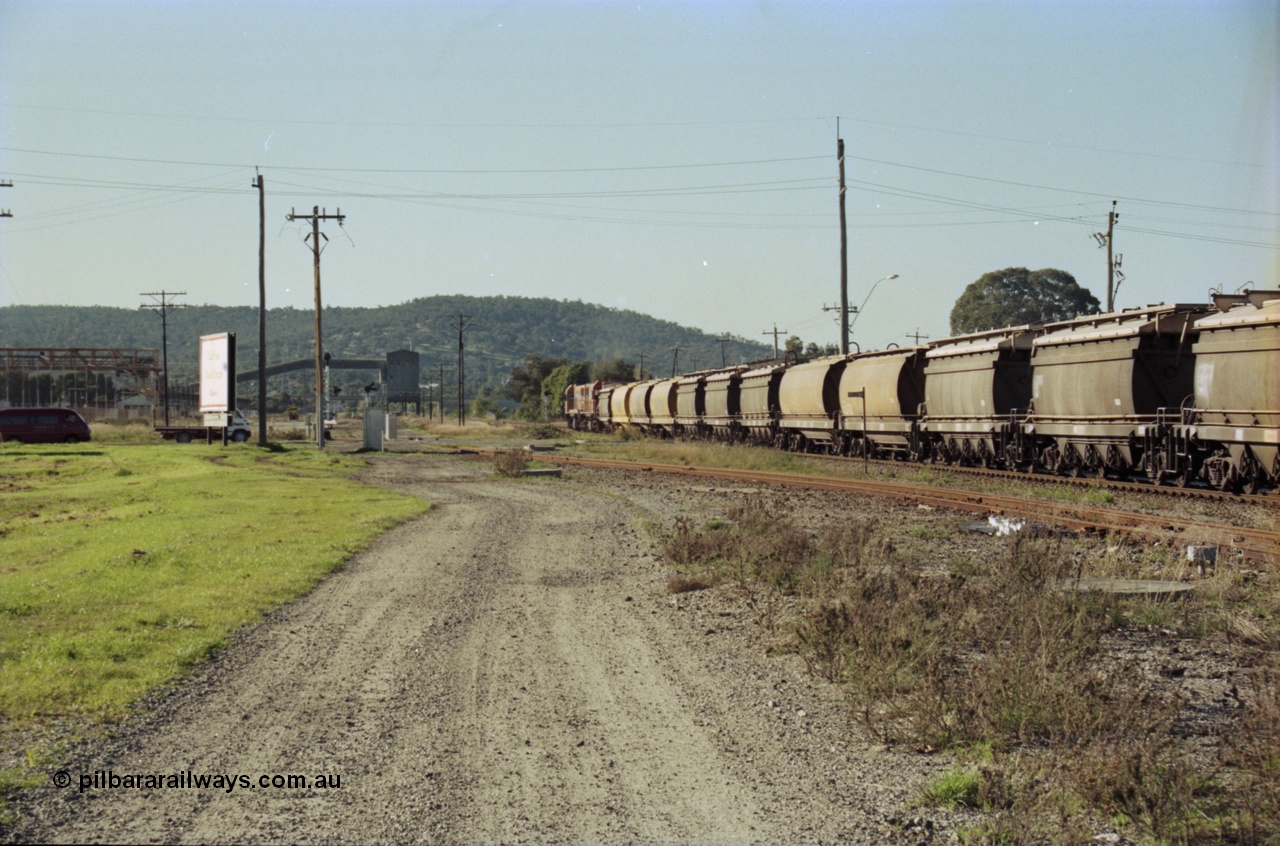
point(135, 407)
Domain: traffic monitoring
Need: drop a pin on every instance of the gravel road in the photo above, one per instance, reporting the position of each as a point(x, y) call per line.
point(507, 668)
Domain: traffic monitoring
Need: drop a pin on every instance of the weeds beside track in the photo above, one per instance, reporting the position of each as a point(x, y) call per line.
point(1057, 725)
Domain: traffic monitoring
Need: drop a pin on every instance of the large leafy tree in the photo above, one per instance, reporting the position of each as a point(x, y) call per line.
point(553, 387)
point(615, 370)
point(1016, 296)
point(525, 384)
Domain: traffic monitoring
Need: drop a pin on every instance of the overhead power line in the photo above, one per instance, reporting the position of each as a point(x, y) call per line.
point(463, 171)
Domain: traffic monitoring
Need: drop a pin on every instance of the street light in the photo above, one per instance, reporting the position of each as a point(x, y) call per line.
point(858, 311)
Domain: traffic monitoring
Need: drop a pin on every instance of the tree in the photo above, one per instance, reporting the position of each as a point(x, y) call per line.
point(525, 384)
point(616, 370)
point(1016, 296)
point(553, 387)
point(484, 405)
point(812, 350)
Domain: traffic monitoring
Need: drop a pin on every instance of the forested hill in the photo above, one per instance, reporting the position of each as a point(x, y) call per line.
point(504, 330)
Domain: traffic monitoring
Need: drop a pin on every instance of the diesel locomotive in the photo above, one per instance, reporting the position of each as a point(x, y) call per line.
point(1176, 393)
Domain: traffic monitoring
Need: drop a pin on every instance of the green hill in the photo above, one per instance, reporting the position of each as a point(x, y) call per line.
point(504, 330)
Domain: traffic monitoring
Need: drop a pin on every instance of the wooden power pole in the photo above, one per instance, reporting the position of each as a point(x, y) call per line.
point(775, 332)
point(316, 248)
point(162, 305)
point(262, 310)
point(461, 323)
point(1108, 240)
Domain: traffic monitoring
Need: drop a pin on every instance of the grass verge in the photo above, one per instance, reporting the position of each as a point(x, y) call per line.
point(124, 566)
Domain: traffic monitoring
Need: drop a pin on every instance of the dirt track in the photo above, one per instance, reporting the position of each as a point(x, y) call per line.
point(507, 668)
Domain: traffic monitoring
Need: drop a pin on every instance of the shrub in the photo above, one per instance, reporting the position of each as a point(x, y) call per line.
point(510, 462)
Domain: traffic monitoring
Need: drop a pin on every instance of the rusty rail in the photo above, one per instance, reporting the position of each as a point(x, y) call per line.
point(1254, 544)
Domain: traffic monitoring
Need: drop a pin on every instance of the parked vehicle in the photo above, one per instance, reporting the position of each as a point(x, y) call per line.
point(42, 426)
point(237, 428)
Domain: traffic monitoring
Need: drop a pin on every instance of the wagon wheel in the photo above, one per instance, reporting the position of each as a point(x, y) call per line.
point(1051, 459)
point(1251, 474)
point(1226, 481)
point(1115, 463)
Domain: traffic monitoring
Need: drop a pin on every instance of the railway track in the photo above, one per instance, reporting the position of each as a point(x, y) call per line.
point(1080, 482)
point(1247, 543)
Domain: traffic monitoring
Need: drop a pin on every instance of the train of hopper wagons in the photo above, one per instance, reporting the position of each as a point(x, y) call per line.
point(1175, 393)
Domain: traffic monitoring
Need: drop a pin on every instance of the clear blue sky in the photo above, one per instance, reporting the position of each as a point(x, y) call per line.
point(673, 158)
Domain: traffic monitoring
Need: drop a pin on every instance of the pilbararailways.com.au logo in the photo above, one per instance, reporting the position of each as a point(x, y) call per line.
point(110, 780)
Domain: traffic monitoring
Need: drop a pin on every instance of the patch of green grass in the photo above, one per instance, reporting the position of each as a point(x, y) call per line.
point(959, 786)
point(125, 566)
point(32, 772)
point(926, 533)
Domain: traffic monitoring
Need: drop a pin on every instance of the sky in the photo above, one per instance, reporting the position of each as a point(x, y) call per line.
point(675, 158)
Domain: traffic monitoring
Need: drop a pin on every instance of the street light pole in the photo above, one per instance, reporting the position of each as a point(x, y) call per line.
point(858, 311)
point(844, 257)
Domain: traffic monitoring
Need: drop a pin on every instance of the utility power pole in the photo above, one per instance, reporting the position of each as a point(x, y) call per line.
point(721, 341)
point(262, 310)
point(775, 332)
point(917, 337)
point(441, 393)
point(316, 248)
point(162, 305)
point(461, 323)
point(1107, 240)
point(844, 252)
point(674, 358)
point(640, 375)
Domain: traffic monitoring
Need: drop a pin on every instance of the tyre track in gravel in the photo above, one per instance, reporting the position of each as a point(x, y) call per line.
point(504, 669)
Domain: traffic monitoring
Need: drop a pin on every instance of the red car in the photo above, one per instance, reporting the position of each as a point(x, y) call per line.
point(42, 426)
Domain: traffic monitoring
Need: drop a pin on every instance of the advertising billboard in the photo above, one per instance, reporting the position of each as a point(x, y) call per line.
point(217, 372)
point(402, 376)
